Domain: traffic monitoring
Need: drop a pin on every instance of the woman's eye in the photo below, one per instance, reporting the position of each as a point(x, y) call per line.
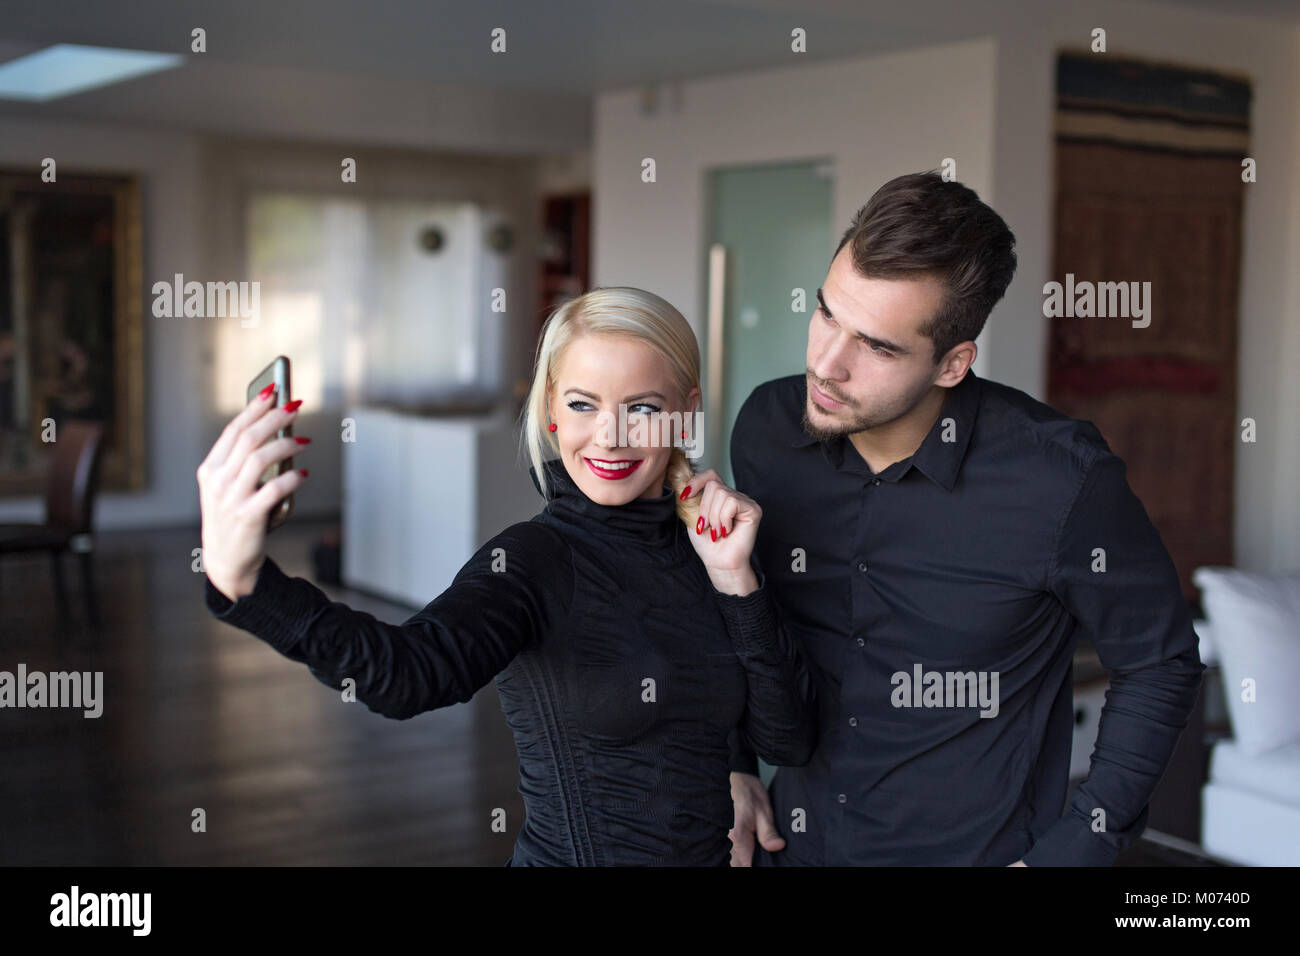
point(580, 406)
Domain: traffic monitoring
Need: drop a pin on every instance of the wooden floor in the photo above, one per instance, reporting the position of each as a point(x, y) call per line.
point(198, 714)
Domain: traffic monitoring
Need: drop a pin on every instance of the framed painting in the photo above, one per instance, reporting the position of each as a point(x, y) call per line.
point(71, 344)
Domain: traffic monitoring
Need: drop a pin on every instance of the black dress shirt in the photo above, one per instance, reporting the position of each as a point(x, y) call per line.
point(620, 669)
point(978, 557)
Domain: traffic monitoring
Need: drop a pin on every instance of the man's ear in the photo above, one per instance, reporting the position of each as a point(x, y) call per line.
point(952, 369)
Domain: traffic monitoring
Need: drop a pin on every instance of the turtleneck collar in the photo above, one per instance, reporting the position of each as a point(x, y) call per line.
point(652, 521)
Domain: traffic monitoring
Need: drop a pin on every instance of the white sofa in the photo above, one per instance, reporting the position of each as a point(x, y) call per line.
point(1250, 803)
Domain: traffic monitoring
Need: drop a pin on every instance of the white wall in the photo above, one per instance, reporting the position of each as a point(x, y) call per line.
point(860, 113)
point(989, 104)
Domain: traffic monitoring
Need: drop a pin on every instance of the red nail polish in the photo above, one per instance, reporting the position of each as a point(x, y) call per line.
point(301, 441)
point(686, 492)
point(724, 532)
point(713, 533)
point(303, 472)
point(266, 390)
point(699, 525)
point(293, 406)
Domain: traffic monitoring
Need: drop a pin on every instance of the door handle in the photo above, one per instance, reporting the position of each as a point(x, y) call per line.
point(716, 318)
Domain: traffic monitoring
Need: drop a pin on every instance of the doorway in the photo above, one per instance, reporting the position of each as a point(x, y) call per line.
point(769, 244)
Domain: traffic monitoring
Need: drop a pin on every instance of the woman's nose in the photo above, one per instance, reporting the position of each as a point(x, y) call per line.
point(606, 434)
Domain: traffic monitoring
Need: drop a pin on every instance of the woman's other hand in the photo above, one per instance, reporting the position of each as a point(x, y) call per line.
point(724, 535)
point(234, 510)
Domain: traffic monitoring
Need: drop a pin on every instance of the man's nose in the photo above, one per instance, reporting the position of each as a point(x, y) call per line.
point(829, 365)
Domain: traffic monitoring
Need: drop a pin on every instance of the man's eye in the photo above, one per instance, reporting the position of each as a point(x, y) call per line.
point(879, 351)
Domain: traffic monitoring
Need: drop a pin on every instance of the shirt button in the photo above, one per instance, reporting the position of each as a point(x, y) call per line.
point(862, 566)
point(861, 642)
point(853, 721)
point(842, 798)
point(875, 482)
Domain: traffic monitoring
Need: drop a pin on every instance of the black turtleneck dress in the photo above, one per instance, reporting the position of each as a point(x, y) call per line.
point(621, 670)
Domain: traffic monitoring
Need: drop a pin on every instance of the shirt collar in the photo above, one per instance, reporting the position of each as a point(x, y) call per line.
point(944, 449)
point(937, 459)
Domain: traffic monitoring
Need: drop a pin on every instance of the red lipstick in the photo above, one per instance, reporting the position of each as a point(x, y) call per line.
point(615, 469)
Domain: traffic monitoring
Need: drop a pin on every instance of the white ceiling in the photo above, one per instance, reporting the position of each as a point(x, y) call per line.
point(560, 46)
point(394, 70)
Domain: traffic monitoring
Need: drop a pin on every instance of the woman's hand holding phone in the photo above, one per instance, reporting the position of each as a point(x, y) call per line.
point(234, 510)
point(725, 533)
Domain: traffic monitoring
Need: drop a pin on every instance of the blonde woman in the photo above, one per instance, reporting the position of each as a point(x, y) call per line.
point(627, 632)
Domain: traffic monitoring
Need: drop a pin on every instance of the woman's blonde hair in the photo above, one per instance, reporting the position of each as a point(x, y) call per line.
point(617, 310)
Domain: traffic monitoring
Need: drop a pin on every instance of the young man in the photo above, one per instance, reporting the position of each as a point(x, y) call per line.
point(941, 543)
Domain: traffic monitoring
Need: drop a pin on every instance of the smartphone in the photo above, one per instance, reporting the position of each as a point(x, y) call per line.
point(277, 374)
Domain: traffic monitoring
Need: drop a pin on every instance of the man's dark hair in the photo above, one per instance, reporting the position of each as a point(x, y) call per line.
point(920, 224)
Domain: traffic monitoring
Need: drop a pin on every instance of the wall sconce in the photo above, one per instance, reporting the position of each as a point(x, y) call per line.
point(501, 238)
point(431, 239)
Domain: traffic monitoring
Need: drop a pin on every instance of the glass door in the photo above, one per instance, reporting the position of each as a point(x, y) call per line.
point(769, 235)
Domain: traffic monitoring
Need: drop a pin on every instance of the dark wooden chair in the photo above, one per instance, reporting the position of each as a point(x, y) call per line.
point(69, 510)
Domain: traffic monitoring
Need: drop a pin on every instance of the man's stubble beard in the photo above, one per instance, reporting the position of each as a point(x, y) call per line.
point(864, 421)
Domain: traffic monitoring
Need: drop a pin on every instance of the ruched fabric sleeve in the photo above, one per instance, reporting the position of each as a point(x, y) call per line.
point(511, 593)
point(780, 722)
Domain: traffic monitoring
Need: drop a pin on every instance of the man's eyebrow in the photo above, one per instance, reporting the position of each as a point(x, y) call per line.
point(825, 307)
point(626, 401)
point(879, 343)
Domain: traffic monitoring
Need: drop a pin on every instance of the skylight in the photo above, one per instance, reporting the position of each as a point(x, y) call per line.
point(67, 68)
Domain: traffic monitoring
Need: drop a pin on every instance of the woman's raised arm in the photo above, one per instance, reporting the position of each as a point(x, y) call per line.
point(505, 597)
point(510, 593)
